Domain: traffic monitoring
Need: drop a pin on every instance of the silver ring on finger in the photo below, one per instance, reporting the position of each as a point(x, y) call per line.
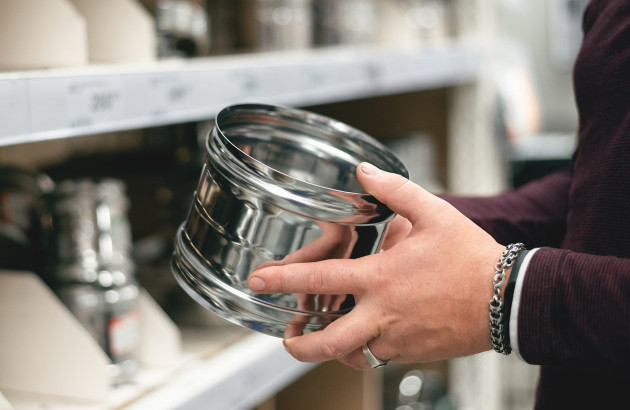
point(372, 360)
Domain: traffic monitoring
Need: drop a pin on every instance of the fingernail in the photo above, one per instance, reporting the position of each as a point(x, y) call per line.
point(256, 284)
point(369, 169)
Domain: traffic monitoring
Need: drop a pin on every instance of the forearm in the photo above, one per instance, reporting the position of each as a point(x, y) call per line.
point(534, 214)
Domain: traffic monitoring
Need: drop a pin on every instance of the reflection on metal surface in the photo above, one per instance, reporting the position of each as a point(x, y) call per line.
point(279, 186)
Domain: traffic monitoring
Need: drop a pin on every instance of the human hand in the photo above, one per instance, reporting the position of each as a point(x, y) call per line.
point(424, 298)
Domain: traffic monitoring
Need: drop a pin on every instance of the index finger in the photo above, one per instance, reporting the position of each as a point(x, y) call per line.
point(332, 276)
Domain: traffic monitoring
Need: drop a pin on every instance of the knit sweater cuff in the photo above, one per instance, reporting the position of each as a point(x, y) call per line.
point(513, 327)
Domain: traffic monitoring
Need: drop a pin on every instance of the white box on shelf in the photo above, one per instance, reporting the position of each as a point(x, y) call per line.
point(4, 404)
point(118, 31)
point(160, 338)
point(47, 352)
point(44, 348)
point(41, 34)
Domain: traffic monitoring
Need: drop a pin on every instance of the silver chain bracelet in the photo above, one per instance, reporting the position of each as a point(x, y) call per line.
point(497, 334)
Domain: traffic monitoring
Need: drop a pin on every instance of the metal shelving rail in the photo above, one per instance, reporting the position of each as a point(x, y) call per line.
point(60, 103)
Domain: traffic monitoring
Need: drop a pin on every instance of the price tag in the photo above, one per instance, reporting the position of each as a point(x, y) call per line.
point(93, 101)
point(168, 93)
point(246, 84)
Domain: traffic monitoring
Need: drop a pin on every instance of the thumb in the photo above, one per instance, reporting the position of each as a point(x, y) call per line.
point(397, 192)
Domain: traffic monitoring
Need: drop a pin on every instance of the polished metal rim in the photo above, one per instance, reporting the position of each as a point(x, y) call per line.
point(326, 203)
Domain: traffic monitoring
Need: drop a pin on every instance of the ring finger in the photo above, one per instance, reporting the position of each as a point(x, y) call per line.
point(363, 359)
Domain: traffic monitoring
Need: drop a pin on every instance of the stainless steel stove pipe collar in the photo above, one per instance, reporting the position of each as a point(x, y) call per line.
point(278, 184)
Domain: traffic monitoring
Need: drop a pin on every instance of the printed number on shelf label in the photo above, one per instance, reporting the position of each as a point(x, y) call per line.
point(168, 92)
point(93, 101)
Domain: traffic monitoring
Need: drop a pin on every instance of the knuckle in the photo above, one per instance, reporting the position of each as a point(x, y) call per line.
point(331, 351)
point(359, 272)
point(314, 282)
point(279, 279)
point(372, 273)
point(399, 182)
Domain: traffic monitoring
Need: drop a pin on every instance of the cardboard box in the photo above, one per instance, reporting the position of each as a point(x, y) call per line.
point(37, 34)
point(118, 31)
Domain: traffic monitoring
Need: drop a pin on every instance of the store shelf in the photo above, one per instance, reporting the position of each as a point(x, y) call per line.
point(59, 103)
point(222, 368)
point(239, 376)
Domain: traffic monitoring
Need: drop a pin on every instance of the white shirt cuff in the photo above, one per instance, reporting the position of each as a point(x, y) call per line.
point(515, 302)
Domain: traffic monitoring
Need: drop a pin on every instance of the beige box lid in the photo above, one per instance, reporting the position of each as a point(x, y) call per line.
point(41, 34)
point(118, 31)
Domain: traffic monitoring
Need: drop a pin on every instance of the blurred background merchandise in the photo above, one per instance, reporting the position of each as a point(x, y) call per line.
point(93, 272)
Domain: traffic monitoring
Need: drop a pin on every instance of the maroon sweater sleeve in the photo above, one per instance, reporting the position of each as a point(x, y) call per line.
point(578, 311)
point(535, 214)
